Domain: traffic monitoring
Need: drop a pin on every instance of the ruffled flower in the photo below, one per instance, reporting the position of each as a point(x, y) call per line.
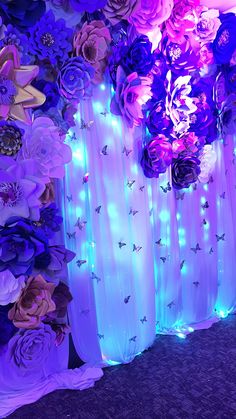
point(157, 156)
point(138, 57)
point(50, 39)
point(10, 287)
point(132, 92)
point(14, 37)
point(207, 163)
point(91, 43)
point(116, 10)
point(43, 143)
point(74, 80)
point(23, 247)
point(16, 93)
point(207, 25)
point(87, 5)
point(10, 138)
point(185, 171)
point(22, 13)
point(34, 302)
point(182, 19)
point(149, 14)
point(50, 221)
point(28, 350)
point(181, 58)
point(224, 44)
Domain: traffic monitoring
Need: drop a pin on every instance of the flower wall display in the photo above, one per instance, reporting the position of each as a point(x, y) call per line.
point(171, 66)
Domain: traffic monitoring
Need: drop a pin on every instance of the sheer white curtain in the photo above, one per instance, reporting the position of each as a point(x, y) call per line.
point(128, 284)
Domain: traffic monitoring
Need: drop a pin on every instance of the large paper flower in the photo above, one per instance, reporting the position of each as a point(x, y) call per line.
point(87, 5)
point(182, 19)
point(34, 302)
point(44, 143)
point(158, 122)
point(16, 93)
point(50, 39)
point(138, 58)
point(59, 258)
point(149, 14)
point(185, 171)
point(116, 10)
point(29, 349)
point(91, 43)
point(10, 287)
point(157, 156)
point(22, 13)
point(225, 41)
point(19, 190)
point(74, 80)
point(131, 93)
point(23, 247)
point(14, 37)
point(207, 25)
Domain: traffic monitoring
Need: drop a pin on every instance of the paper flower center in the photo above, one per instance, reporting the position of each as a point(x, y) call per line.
point(10, 194)
point(47, 39)
point(224, 38)
point(10, 140)
point(7, 91)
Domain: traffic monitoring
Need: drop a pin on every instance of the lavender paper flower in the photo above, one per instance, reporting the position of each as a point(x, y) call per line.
point(50, 221)
point(225, 41)
point(138, 57)
point(157, 156)
point(185, 171)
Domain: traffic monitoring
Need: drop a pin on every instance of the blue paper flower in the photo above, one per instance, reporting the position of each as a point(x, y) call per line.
point(50, 39)
point(138, 57)
point(225, 41)
point(50, 221)
point(158, 122)
point(22, 13)
point(51, 92)
point(74, 79)
point(14, 37)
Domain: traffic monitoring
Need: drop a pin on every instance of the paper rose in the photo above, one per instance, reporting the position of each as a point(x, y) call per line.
point(116, 10)
point(10, 138)
point(91, 43)
point(19, 191)
point(207, 25)
point(74, 80)
point(131, 93)
point(22, 13)
point(29, 349)
point(207, 163)
point(34, 302)
point(10, 287)
point(50, 39)
point(16, 93)
point(182, 19)
point(157, 156)
point(138, 58)
point(149, 14)
point(43, 143)
point(23, 247)
point(87, 5)
point(185, 171)
point(225, 42)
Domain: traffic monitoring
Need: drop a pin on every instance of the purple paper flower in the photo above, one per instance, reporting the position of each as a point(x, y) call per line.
point(225, 41)
point(158, 122)
point(185, 171)
point(61, 297)
point(87, 5)
point(22, 13)
point(10, 138)
point(23, 247)
point(7, 328)
point(51, 92)
point(74, 80)
point(50, 39)
point(29, 349)
point(59, 258)
point(7, 91)
point(50, 221)
point(138, 57)
point(14, 37)
point(157, 156)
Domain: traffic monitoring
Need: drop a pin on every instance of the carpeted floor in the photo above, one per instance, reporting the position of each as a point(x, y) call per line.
point(191, 378)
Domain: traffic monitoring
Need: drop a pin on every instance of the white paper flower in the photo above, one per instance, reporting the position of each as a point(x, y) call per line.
point(10, 287)
point(208, 159)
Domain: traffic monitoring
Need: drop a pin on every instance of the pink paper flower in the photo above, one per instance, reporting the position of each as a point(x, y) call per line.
point(182, 19)
point(92, 42)
point(207, 25)
point(149, 14)
point(116, 10)
point(185, 143)
point(131, 93)
point(44, 143)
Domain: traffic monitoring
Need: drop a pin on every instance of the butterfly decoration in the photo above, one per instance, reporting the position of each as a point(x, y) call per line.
point(80, 262)
point(130, 183)
point(104, 113)
point(159, 242)
point(85, 312)
point(126, 300)
point(150, 211)
point(121, 244)
point(205, 206)
point(94, 276)
point(182, 264)
point(166, 188)
point(163, 258)
point(180, 196)
point(222, 195)
point(226, 172)
point(104, 150)
point(219, 238)
point(71, 235)
point(136, 248)
point(171, 304)
point(72, 137)
point(69, 198)
point(133, 212)
point(126, 151)
point(204, 222)
point(194, 187)
point(211, 180)
point(80, 224)
point(100, 336)
point(98, 209)
point(211, 251)
point(141, 188)
point(196, 283)
point(86, 125)
point(133, 339)
point(195, 249)
point(86, 178)
point(143, 320)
